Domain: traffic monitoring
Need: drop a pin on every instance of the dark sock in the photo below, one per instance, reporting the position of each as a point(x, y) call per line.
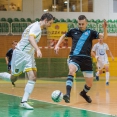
point(69, 84)
point(68, 89)
point(85, 90)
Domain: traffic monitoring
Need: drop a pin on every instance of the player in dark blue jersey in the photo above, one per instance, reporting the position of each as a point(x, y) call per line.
point(9, 55)
point(80, 55)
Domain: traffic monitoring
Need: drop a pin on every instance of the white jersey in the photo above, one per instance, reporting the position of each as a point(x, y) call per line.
point(24, 45)
point(100, 50)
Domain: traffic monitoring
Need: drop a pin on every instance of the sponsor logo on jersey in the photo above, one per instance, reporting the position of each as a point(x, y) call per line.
point(16, 70)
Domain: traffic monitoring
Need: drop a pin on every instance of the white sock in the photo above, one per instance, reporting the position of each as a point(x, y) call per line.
point(5, 76)
point(97, 74)
point(107, 76)
point(28, 90)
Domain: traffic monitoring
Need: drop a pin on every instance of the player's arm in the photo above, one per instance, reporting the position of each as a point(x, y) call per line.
point(105, 29)
point(110, 53)
point(6, 59)
point(59, 42)
point(7, 56)
point(34, 44)
point(93, 52)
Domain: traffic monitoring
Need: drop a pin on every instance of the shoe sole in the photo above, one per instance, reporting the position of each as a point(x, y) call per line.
point(65, 97)
point(85, 99)
point(27, 108)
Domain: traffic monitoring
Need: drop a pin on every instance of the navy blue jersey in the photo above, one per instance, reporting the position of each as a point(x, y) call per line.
point(81, 41)
point(9, 55)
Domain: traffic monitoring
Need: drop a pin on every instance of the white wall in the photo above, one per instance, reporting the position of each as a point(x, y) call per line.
point(28, 11)
point(103, 9)
point(111, 14)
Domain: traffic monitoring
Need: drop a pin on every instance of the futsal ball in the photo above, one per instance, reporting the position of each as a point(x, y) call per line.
point(57, 96)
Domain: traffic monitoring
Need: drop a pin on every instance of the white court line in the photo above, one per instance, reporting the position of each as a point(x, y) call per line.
point(61, 105)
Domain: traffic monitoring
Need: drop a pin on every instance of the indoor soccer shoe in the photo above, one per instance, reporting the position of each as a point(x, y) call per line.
point(87, 98)
point(26, 106)
point(107, 83)
point(66, 98)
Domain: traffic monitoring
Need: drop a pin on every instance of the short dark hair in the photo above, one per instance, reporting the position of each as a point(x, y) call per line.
point(47, 16)
point(14, 42)
point(82, 17)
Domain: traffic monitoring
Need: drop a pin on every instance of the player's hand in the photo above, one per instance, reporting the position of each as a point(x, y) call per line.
point(39, 54)
point(112, 58)
point(56, 49)
point(104, 24)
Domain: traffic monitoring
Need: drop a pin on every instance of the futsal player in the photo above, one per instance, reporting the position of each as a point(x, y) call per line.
point(23, 56)
point(80, 55)
point(99, 51)
point(9, 56)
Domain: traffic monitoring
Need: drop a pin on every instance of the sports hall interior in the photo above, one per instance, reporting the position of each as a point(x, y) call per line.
point(52, 68)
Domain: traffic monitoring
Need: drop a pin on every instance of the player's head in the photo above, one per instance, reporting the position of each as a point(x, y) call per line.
point(101, 37)
point(14, 43)
point(46, 20)
point(82, 22)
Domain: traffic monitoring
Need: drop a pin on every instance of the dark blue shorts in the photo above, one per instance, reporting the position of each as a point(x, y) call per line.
point(82, 62)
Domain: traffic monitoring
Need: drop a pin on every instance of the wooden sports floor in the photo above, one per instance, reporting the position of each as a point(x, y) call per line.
point(104, 98)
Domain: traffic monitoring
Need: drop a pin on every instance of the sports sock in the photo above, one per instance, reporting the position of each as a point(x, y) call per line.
point(5, 76)
point(86, 89)
point(69, 84)
point(107, 76)
point(97, 74)
point(28, 90)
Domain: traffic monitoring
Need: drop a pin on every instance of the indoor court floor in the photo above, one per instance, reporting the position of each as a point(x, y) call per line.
point(104, 98)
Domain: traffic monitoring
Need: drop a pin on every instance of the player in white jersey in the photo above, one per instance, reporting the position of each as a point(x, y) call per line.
point(23, 56)
point(99, 50)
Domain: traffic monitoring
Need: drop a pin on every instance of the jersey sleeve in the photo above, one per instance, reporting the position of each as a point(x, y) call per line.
point(94, 48)
point(8, 53)
point(107, 48)
point(35, 30)
point(95, 34)
point(68, 34)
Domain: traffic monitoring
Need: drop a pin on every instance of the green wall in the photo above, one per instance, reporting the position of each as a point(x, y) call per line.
point(47, 67)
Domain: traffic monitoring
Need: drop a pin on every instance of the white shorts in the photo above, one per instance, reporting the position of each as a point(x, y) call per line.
point(22, 62)
point(101, 64)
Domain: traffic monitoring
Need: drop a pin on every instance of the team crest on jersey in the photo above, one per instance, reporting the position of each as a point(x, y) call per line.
point(86, 33)
point(16, 70)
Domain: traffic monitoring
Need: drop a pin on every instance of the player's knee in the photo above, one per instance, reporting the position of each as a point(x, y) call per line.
point(14, 78)
point(32, 77)
point(71, 72)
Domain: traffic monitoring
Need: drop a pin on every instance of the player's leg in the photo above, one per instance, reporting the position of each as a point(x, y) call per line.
point(107, 74)
point(8, 77)
point(100, 66)
point(87, 69)
point(28, 89)
point(68, 60)
point(31, 70)
point(98, 74)
point(72, 70)
point(89, 81)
